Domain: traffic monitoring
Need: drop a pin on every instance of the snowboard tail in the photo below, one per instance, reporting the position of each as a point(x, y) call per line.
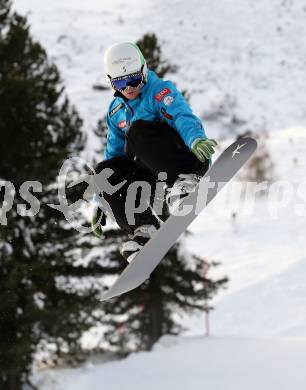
point(219, 174)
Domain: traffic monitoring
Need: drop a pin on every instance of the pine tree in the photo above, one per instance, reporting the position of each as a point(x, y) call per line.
point(152, 52)
point(177, 286)
point(47, 294)
point(137, 320)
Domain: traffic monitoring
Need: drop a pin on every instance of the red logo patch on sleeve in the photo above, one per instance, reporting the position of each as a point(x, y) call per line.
point(161, 94)
point(122, 124)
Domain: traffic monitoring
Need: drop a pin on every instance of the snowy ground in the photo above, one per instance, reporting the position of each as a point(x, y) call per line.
point(244, 65)
point(195, 363)
point(263, 251)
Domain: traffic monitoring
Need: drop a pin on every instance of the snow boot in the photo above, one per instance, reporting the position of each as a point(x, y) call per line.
point(183, 186)
point(141, 236)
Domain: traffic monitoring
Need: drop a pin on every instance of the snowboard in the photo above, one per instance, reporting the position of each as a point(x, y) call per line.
point(219, 174)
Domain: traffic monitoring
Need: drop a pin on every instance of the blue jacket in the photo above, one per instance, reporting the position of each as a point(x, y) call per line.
point(158, 100)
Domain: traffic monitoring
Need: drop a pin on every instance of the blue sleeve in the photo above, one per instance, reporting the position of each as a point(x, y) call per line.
point(174, 109)
point(115, 140)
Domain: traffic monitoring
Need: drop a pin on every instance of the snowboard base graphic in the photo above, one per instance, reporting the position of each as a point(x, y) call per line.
point(219, 174)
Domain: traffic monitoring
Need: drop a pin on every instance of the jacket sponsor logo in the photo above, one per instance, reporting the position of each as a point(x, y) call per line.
point(168, 100)
point(165, 114)
point(122, 124)
point(116, 109)
point(161, 94)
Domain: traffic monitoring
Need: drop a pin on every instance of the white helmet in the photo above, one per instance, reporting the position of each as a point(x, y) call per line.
point(123, 59)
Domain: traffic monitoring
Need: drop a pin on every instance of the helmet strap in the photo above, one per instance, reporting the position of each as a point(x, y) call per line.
point(143, 76)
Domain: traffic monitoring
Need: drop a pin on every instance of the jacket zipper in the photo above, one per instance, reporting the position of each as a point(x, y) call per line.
point(131, 109)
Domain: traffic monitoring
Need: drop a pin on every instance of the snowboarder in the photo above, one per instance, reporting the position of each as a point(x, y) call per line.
point(151, 129)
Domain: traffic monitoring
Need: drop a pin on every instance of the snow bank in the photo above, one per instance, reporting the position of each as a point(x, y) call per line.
point(196, 363)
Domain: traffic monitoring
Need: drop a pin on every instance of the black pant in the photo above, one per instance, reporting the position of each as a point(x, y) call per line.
point(151, 148)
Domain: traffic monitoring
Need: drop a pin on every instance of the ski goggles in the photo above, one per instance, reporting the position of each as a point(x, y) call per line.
point(132, 80)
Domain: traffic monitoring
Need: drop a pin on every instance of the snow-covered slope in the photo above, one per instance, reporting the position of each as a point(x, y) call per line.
point(237, 58)
point(263, 251)
point(243, 62)
point(196, 363)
